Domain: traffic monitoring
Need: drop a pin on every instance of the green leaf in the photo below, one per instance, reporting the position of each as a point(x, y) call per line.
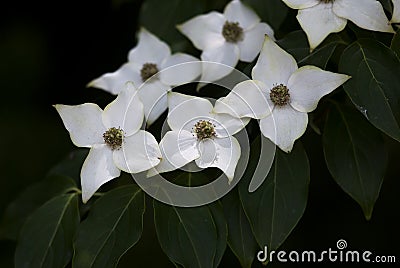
point(375, 84)
point(240, 237)
point(161, 18)
point(46, 237)
point(30, 199)
point(274, 209)
point(191, 237)
point(296, 44)
point(355, 155)
point(395, 45)
point(271, 11)
point(222, 231)
point(114, 224)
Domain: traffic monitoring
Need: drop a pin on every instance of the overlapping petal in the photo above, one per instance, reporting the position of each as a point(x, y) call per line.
point(274, 65)
point(180, 69)
point(139, 152)
point(396, 12)
point(247, 99)
point(300, 4)
point(185, 111)
point(222, 153)
point(309, 84)
point(368, 15)
point(204, 30)
point(83, 123)
point(252, 42)
point(284, 126)
point(177, 148)
point(149, 49)
point(319, 21)
point(125, 112)
point(226, 54)
point(114, 82)
point(236, 11)
point(97, 169)
point(154, 98)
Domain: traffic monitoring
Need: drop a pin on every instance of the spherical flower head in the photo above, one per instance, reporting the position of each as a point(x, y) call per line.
point(204, 129)
point(279, 95)
point(232, 32)
point(148, 70)
point(114, 137)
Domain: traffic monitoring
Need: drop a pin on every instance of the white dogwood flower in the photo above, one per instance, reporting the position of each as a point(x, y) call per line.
point(280, 95)
point(149, 68)
point(114, 137)
point(396, 12)
point(319, 18)
point(226, 38)
point(197, 133)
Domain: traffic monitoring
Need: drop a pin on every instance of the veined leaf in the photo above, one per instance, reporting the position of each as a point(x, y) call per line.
point(240, 237)
point(355, 155)
point(274, 209)
point(191, 237)
point(46, 237)
point(113, 225)
point(375, 84)
point(30, 199)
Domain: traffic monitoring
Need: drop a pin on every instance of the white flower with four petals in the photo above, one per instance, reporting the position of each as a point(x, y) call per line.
point(319, 18)
point(226, 38)
point(280, 95)
point(197, 133)
point(148, 67)
point(114, 137)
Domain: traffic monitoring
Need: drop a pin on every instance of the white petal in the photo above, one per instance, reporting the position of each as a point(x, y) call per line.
point(368, 15)
point(227, 125)
point(83, 123)
point(284, 126)
point(115, 82)
point(125, 112)
point(149, 49)
point(153, 95)
point(97, 169)
point(235, 11)
point(139, 152)
point(309, 84)
point(274, 65)
point(247, 99)
point(226, 55)
point(177, 148)
point(204, 30)
point(220, 153)
point(252, 42)
point(318, 22)
point(396, 12)
point(180, 69)
point(300, 4)
point(185, 110)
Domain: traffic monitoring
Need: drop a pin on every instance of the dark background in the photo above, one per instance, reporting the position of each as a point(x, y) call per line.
point(49, 52)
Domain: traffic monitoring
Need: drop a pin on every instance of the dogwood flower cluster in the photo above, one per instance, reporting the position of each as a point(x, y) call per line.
point(279, 95)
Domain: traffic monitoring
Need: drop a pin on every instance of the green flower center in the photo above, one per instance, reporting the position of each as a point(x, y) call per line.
point(232, 32)
point(204, 130)
point(327, 1)
point(279, 95)
point(148, 70)
point(114, 138)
